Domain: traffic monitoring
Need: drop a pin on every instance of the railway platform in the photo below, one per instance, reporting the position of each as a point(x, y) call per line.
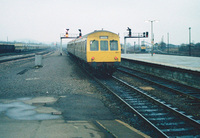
point(56, 100)
point(185, 62)
point(70, 129)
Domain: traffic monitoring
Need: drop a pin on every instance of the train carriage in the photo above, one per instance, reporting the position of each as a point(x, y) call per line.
point(99, 49)
point(143, 48)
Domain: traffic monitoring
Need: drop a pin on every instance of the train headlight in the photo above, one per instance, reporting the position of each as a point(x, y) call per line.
point(116, 58)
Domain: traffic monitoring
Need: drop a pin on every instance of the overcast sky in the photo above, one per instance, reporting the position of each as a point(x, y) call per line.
point(45, 20)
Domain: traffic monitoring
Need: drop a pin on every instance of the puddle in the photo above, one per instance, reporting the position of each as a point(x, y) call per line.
point(28, 79)
point(20, 110)
point(24, 98)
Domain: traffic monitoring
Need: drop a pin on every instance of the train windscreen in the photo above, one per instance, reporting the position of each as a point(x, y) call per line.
point(104, 45)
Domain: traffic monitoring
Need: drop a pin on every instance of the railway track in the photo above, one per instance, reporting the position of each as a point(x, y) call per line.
point(21, 53)
point(167, 121)
point(180, 89)
point(18, 57)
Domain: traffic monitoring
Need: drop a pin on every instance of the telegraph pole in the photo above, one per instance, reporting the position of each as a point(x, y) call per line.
point(168, 41)
point(152, 39)
point(189, 41)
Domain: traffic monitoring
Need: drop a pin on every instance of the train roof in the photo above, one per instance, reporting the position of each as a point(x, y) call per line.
point(95, 31)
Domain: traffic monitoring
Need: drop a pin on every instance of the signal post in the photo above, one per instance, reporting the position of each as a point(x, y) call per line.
point(140, 35)
point(66, 36)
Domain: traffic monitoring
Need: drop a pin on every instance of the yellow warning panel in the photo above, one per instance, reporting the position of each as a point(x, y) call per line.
point(120, 129)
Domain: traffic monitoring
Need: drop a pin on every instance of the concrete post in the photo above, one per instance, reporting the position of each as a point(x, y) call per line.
point(38, 60)
point(60, 46)
point(124, 45)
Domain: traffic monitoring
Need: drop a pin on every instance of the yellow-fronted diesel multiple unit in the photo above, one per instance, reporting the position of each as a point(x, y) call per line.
point(99, 49)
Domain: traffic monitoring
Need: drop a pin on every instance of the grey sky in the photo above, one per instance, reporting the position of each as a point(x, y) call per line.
point(44, 20)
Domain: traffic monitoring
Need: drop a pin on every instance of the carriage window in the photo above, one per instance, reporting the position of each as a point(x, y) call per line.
point(104, 45)
point(113, 45)
point(94, 45)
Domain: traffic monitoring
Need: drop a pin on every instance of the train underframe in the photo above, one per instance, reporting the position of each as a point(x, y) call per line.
point(104, 67)
point(98, 67)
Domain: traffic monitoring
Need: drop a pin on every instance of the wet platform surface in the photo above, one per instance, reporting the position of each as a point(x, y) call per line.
point(30, 117)
point(28, 108)
point(185, 62)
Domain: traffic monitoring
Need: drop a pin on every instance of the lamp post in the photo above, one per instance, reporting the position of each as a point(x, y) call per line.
point(152, 35)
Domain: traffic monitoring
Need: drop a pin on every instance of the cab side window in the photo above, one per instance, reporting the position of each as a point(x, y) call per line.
point(94, 45)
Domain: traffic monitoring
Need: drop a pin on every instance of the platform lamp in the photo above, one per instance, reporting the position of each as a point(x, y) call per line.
point(152, 35)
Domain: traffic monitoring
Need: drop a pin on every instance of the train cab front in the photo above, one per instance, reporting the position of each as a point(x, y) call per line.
point(106, 57)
